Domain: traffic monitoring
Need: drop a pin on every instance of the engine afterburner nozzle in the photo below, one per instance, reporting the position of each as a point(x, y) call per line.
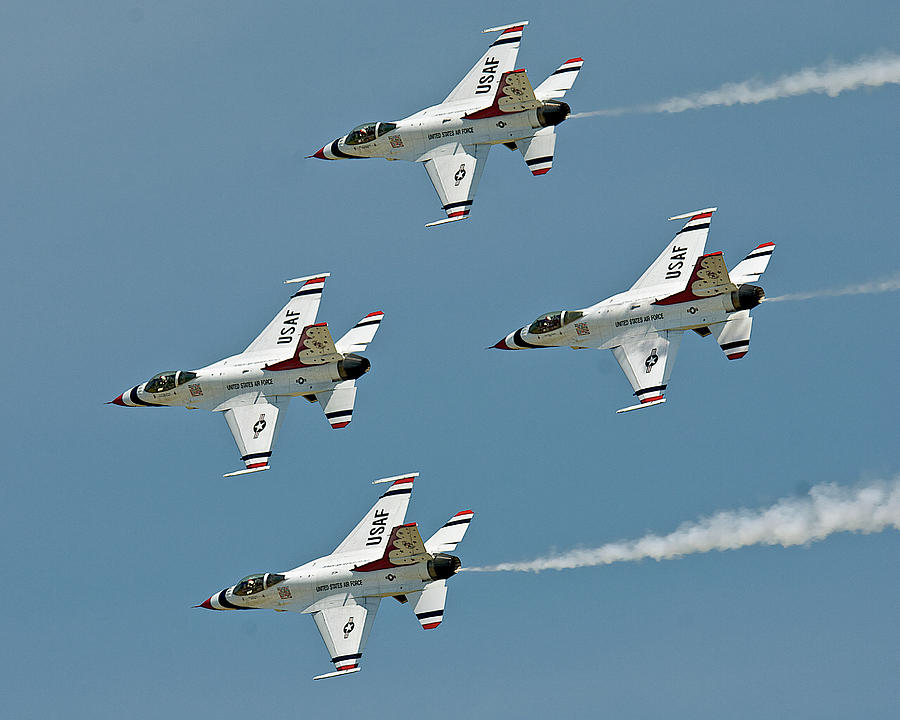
point(353, 366)
point(443, 566)
point(553, 112)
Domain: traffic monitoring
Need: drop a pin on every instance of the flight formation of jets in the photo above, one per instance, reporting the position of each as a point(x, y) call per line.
point(295, 356)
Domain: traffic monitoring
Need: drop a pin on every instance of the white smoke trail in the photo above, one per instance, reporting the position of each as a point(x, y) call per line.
point(827, 509)
point(867, 288)
point(830, 79)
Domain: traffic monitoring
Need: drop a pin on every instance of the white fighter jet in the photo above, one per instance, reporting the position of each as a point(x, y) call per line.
point(293, 356)
point(493, 104)
point(682, 290)
point(382, 557)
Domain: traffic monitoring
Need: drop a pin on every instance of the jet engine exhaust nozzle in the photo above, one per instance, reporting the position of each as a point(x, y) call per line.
point(747, 297)
point(553, 112)
point(353, 366)
point(443, 566)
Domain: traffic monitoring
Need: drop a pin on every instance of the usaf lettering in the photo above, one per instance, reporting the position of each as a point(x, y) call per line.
point(378, 527)
point(484, 82)
point(288, 328)
point(676, 262)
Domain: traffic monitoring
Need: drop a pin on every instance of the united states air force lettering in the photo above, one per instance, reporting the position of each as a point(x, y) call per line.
point(676, 262)
point(449, 133)
point(487, 75)
point(288, 327)
point(339, 585)
point(379, 525)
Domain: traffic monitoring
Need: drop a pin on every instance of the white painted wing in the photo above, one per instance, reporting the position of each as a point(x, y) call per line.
point(538, 150)
point(373, 531)
point(455, 173)
point(338, 403)
point(300, 311)
point(345, 629)
point(647, 363)
point(561, 80)
point(751, 267)
point(357, 338)
point(450, 534)
point(429, 608)
point(674, 265)
point(483, 78)
point(255, 428)
point(733, 335)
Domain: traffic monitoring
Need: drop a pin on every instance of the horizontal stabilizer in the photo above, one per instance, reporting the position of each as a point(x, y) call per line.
point(357, 338)
point(751, 267)
point(538, 150)
point(733, 335)
point(561, 80)
point(429, 608)
point(451, 533)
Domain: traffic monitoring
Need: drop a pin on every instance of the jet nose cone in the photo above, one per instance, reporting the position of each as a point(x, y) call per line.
point(318, 154)
point(502, 345)
point(118, 401)
point(206, 604)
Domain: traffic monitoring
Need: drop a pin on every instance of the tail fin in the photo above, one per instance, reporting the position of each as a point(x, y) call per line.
point(514, 94)
point(451, 533)
point(561, 80)
point(709, 278)
point(360, 335)
point(315, 347)
point(405, 547)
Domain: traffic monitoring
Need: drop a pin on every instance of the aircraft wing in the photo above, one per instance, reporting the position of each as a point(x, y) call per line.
point(345, 629)
point(674, 264)
point(255, 426)
point(387, 513)
point(647, 363)
point(338, 403)
point(300, 311)
point(483, 78)
point(455, 171)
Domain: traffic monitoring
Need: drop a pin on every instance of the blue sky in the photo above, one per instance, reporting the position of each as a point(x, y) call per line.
point(155, 195)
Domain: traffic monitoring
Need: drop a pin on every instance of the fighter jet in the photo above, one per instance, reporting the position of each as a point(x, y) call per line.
point(493, 104)
point(382, 557)
point(294, 355)
point(682, 290)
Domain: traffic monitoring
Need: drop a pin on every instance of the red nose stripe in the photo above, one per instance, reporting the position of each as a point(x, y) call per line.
point(207, 604)
point(502, 345)
point(319, 154)
point(118, 401)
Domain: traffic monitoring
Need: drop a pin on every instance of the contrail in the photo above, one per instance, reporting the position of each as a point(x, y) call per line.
point(867, 288)
point(827, 509)
point(830, 79)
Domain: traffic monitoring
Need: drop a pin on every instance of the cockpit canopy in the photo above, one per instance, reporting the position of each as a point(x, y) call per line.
point(553, 321)
point(168, 380)
point(253, 584)
point(362, 134)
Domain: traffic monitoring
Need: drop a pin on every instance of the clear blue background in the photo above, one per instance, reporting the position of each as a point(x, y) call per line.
point(154, 195)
